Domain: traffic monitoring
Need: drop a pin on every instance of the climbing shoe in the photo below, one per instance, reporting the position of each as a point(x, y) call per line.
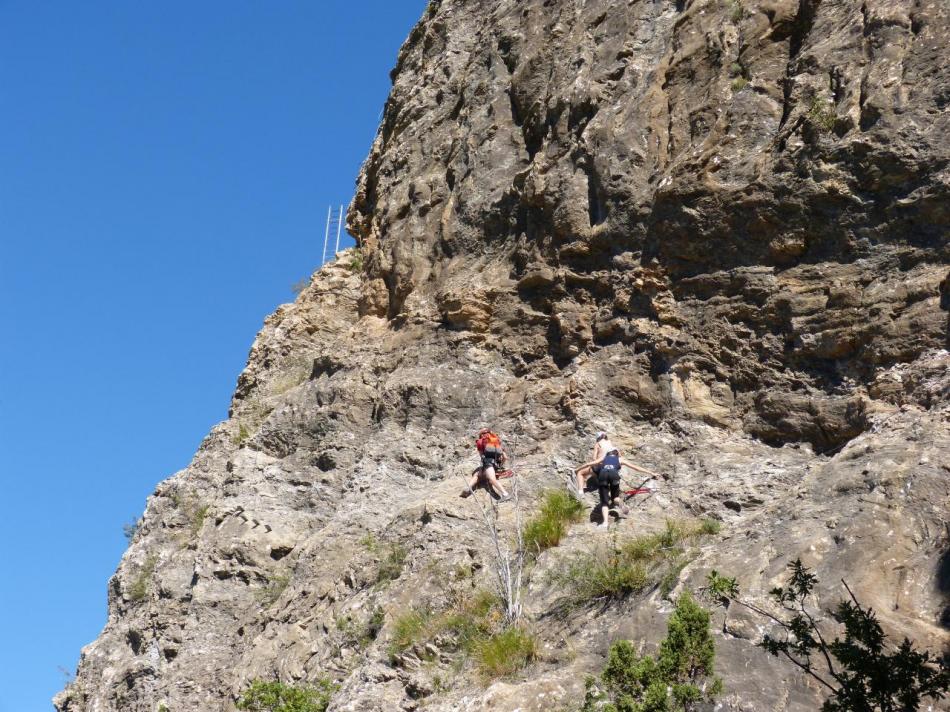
point(619, 509)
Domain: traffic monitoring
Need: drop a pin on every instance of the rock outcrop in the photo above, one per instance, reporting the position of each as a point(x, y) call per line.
point(718, 230)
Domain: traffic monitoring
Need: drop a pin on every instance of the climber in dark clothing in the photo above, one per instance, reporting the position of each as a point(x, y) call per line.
point(608, 482)
point(607, 470)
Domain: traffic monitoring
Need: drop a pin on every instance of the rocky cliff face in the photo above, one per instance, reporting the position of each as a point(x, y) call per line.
point(718, 230)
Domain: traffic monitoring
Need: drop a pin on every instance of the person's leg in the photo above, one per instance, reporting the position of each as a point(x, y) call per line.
point(582, 475)
point(615, 493)
point(472, 484)
point(580, 478)
point(494, 483)
point(603, 489)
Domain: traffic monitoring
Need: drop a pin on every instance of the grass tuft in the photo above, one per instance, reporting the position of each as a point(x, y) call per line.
point(708, 527)
point(391, 565)
point(276, 585)
point(243, 434)
point(671, 577)
point(506, 652)
point(252, 414)
point(140, 585)
point(591, 578)
point(198, 516)
point(194, 513)
point(613, 573)
point(738, 12)
point(360, 633)
point(472, 628)
point(460, 628)
point(550, 525)
point(409, 629)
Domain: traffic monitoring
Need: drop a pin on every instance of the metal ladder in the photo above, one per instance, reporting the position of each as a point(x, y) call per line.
point(334, 217)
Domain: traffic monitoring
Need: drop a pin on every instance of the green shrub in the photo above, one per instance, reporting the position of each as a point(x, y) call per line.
point(299, 286)
point(140, 585)
point(275, 696)
point(821, 114)
point(739, 83)
point(549, 526)
point(673, 681)
point(130, 527)
point(356, 260)
point(506, 652)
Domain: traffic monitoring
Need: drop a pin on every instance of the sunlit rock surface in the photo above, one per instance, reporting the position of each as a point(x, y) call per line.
point(718, 230)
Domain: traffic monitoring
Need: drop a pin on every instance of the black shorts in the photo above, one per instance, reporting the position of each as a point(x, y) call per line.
point(492, 461)
point(608, 485)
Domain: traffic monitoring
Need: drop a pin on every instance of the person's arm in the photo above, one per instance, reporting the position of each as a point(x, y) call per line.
point(638, 468)
point(598, 458)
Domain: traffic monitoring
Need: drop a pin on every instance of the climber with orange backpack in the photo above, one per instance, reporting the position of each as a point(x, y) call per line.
point(493, 456)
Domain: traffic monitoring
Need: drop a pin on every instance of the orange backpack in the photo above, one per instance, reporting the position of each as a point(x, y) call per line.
point(492, 444)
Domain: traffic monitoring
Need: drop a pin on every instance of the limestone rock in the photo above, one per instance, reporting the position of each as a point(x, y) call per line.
point(716, 230)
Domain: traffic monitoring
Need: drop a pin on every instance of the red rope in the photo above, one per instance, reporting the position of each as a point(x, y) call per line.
point(640, 490)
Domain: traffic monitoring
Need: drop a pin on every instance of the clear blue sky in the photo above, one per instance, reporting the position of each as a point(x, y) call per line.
point(165, 169)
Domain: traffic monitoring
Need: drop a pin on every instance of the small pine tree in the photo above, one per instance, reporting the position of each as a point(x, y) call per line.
point(673, 681)
point(858, 672)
